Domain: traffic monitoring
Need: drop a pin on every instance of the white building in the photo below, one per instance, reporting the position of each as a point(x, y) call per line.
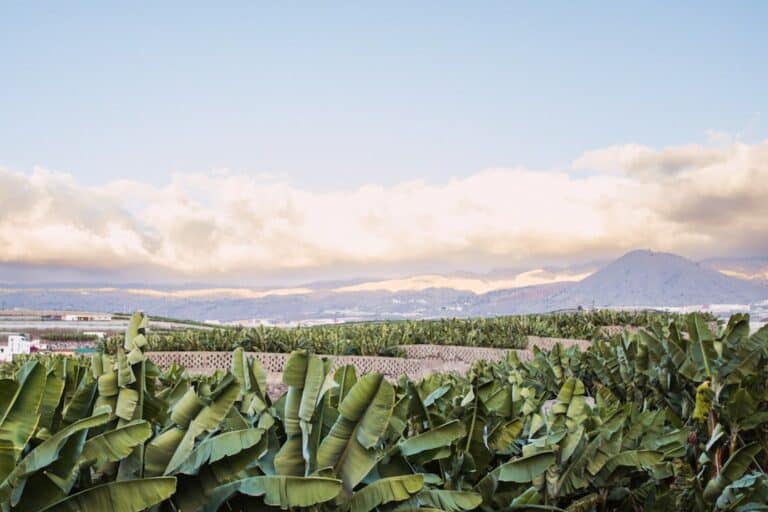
point(17, 344)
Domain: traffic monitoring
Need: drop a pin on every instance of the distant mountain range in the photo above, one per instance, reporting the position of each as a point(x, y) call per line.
point(639, 278)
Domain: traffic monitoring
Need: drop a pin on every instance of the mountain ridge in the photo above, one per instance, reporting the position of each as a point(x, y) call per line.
point(651, 278)
point(637, 279)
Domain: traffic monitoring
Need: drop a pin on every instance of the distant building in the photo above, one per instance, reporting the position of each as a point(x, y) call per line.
point(86, 317)
point(17, 344)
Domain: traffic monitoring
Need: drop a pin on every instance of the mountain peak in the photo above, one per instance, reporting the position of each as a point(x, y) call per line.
point(649, 278)
point(650, 253)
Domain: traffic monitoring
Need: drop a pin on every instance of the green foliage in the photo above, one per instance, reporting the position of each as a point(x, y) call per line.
point(672, 418)
point(385, 338)
point(67, 336)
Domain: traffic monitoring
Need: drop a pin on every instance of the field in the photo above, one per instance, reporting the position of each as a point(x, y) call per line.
point(389, 338)
point(673, 417)
point(40, 322)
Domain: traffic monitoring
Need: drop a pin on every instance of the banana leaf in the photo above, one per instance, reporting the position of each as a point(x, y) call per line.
point(123, 496)
point(385, 490)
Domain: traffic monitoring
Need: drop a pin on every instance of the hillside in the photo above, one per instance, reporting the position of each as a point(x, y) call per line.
point(647, 278)
point(639, 278)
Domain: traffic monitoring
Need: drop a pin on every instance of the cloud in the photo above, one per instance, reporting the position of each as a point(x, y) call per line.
point(689, 199)
point(646, 162)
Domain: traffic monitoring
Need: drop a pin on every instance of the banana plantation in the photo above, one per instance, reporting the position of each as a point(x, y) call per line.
point(673, 417)
point(384, 338)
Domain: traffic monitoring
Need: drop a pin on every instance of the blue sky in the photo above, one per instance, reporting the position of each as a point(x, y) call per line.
point(354, 93)
point(256, 139)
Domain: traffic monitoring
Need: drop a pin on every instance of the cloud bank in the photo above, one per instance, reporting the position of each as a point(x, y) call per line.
point(691, 199)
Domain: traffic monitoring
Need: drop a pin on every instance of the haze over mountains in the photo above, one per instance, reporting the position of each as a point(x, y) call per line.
point(637, 279)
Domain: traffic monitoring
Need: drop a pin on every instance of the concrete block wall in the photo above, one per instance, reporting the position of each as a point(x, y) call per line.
point(207, 362)
point(454, 353)
point(421, 360)
point(547, 343)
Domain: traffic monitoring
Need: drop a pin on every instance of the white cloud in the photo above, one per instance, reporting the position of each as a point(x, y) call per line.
point(687, 198)
point(643, 161)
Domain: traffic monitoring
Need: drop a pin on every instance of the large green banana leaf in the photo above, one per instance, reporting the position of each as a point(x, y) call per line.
point(345, 377)
point(437, 437)
point(123, 496)
point(525, 469)
point(304, 375)
point(56, 481)
point(186, 408)
point(42, 456)
point(113, 445)
point(363, 417)
point(253, 382)
point(737, 465)
point(21, 414)
point(50, 402)
point(134, 331)
point(385, 490)
point(210, 483)
point(280, 491)
point(702, 345)
point(240, 370)
point(160, 450)
point(571, 403)
point(216, 448)
point(445, 500)
point(207, 420)
point(501, 437)
point(81, 403)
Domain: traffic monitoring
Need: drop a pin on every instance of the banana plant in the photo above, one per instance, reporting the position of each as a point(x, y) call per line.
point(670, 418)
point(304, 374)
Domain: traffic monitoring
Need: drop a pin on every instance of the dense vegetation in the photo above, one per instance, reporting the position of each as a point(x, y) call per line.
point(168, 319)
point(383, 338)
point(67, 336)
point(653, 421)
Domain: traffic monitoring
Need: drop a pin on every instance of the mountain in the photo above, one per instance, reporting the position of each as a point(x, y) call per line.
point(639, 278)
point(477, 284)
point(648, 278)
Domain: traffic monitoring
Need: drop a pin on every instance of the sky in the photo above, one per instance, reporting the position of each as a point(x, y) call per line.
point(257, 140)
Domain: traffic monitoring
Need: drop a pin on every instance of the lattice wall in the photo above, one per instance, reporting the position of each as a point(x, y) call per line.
point(421, 359)
point(454, 353)
point(547, 343)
